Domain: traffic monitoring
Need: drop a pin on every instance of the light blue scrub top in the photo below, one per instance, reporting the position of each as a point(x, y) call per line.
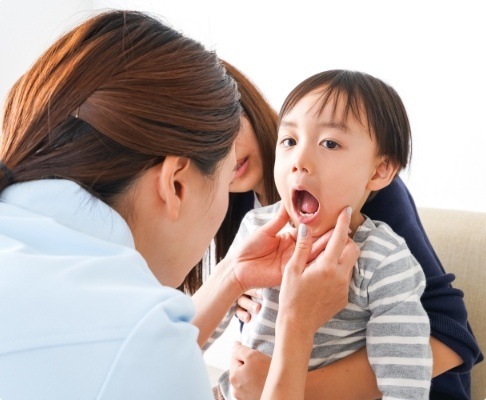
point(81, 314)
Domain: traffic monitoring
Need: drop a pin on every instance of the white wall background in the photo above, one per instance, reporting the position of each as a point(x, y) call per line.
point(431, 51)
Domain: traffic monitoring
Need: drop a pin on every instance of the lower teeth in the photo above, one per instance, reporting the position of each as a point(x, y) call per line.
point(306, 214)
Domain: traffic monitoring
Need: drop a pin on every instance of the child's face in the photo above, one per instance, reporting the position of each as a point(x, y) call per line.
point(323, 164)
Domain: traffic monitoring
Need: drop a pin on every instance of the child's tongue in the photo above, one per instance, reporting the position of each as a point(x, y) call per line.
point(307, 203)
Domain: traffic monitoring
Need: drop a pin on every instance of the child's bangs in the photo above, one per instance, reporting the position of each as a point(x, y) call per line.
point(341, 101)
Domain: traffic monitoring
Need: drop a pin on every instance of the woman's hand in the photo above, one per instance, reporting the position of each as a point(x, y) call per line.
point(261, 260)
point(259, 263)
point(246, 305)
point(248, 372)
point(311, 294)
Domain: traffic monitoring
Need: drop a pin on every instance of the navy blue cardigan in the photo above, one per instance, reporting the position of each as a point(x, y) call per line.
point(443, 303)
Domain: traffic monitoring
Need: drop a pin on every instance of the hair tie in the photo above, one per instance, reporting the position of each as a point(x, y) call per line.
point(8, 174)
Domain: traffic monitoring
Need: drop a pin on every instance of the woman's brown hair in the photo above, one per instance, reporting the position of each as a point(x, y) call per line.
point(264, 120)
point(114, 97)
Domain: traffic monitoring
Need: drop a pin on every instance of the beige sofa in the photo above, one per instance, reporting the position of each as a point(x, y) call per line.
point(459, 239)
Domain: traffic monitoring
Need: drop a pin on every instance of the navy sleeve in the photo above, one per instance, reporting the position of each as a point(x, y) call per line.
point(443, 303)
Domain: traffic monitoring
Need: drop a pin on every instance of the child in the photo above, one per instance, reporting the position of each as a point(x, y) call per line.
point(343, 136)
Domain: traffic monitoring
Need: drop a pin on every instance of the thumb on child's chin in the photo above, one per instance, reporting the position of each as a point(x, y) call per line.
point(302, 248)
point(302, 232)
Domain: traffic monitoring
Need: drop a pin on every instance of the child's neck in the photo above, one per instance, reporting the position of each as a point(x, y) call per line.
point(356, 220)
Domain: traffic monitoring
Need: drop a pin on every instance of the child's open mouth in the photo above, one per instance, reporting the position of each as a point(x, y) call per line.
point(305, 205)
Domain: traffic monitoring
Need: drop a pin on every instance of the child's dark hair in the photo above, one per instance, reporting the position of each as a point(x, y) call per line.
point(370, 100)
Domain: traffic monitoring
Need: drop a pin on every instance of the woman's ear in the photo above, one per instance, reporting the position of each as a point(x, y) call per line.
point(172, 184)
point(384, 173)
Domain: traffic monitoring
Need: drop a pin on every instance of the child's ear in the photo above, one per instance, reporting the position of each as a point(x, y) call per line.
point(172, 184)
point(384, 173)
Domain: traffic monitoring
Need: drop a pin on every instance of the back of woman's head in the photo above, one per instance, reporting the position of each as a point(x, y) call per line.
point(112, 98)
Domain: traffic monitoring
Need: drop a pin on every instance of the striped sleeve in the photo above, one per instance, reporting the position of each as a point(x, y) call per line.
point(398, 333)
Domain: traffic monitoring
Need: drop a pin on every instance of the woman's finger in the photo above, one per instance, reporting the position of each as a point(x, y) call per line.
point(319, 245)
point(276, 224)
point(242, 315)
point(349, 255)
point(303, 246)
point(339, 237)
point(248, 304)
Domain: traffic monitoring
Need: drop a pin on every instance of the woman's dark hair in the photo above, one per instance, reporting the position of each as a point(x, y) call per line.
point(113, 97)
point(264, 120)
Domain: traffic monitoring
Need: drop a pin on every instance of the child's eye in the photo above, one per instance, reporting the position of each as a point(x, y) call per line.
point(289, 142)
point(330, 144)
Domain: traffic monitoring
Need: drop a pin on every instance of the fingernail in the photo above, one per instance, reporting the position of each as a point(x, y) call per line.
point(349, 210)
point(302, 230)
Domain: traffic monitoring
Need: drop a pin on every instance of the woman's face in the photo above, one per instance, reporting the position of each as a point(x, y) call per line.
point(249, 172)
point(210, 210)
point(173, 224)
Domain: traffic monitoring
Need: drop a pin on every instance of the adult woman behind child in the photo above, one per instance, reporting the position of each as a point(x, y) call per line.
point(108, 196)
point(452, 341)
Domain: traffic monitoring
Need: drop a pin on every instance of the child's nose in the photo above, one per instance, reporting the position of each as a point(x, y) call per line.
point(302, 162)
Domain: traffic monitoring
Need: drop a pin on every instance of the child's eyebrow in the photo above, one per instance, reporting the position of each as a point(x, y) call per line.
point(339, 126)
point(288, 124)
point(335, 125)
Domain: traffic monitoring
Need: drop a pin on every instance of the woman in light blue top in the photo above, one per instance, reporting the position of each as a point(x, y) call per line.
point(116, 157)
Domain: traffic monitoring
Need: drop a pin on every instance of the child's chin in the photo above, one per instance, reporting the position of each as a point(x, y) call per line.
point(318, 228)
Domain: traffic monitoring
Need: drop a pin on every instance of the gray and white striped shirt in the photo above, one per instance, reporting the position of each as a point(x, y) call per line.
point(384, 313)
